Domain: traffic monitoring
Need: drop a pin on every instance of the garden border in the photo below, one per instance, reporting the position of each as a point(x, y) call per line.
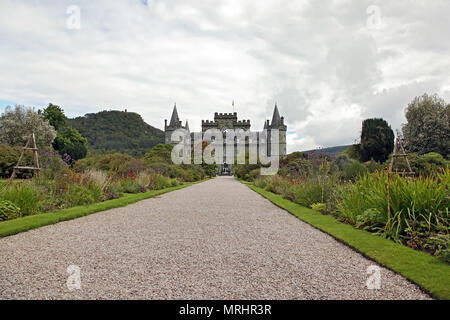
point(424, 270)
point(15, 226)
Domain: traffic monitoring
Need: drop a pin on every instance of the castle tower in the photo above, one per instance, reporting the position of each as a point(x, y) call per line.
point(277, 123)
point(174, 124)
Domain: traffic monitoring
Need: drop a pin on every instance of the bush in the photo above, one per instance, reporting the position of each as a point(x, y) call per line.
point(8, 210)
point(78, 195)
point(412, 202)
point(314, 190)
point(8, 159)
point(261, 182)
point(353, 171)
point(69, 141)
point(25, 196)
point(115, 163)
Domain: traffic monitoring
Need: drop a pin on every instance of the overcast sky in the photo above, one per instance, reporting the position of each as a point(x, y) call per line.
point(328, 64)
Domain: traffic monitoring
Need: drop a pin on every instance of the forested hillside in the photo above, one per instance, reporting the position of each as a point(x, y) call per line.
point(329, 151)
point(121, 131)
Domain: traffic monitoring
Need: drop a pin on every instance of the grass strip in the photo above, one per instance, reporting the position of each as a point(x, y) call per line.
point(18, 225)
point(425, 270)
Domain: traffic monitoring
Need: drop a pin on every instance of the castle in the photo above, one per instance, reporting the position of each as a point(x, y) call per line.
point(225, 121)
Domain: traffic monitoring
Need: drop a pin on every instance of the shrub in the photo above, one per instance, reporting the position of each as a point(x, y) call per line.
point(52, 165)
point(25, 196)
point(352, 171)
point(69, 141)
point(8, 210)
point(78, 195)
point(129, 185)
point(8, 159)
point(439, 243)
point(314, 190)
point(162, 182)
point(144, 180)
point(261, 182)
point(412, 202)
point(98, 178)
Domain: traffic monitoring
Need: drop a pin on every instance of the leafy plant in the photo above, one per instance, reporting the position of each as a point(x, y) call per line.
point(8, 210)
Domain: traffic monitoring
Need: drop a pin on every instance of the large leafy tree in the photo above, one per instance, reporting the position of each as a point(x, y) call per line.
point(70, 141)
point(16, 125)
point(377, 140)
point(55, 116)
point(427, 128)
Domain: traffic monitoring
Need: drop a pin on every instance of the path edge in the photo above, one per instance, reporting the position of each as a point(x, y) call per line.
point(23, 224)
point(382, 251)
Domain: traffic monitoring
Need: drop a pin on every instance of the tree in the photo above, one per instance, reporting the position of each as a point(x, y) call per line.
point(70, 141)
point(377, 140)
point(17, 124)
point(427, 128)
point(55, 116)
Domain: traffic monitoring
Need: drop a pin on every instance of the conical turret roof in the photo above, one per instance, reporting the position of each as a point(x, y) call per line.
point(174, 120)
point(276, 119)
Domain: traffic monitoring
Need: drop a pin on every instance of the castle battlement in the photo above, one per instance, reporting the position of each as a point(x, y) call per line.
point(225, 116)
point(225, 121)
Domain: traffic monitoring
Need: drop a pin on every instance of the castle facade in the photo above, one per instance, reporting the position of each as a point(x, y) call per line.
point(229, 121)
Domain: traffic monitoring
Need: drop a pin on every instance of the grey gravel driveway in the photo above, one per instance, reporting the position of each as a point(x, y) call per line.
point(213, 240)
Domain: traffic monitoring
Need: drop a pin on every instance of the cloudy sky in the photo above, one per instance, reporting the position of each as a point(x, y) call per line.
point(329, 64)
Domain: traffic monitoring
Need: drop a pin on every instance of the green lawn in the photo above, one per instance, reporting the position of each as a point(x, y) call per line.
point(11, 227)
point(425, 270)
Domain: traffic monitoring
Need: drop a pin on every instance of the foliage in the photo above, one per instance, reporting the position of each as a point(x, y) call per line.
point(418, 207)
point(428, 127)
point(17, 124)
point(117, 131)
point(69, 141)
point(8, 210)
point(54, 115)
point(25, 196)
point(423, 165)
point(320, 207)
point(403, 260)
point(113, 163)
point(377, 140)
point(8, 159)
point(160, 153)
point(348, 169)
point(353, 152)
point(31, 222)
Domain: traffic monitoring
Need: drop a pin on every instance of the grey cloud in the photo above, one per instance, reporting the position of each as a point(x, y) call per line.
point(317, 59)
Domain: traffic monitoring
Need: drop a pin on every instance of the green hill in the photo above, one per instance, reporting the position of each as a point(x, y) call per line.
point(330, 151)
point(119, 131)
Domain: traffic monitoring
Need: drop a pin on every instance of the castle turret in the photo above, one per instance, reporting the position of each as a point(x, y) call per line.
point(277, 124)
point(174, 124)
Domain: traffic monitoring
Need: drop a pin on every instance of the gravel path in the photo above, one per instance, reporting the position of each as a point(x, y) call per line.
point(214, 240)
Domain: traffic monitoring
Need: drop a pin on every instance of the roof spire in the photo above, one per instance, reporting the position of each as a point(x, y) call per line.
point(276, 119)
point(174, 120)
point(187, 126)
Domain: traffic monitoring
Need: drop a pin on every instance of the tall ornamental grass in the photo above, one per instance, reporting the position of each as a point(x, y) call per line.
point(420, 203)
